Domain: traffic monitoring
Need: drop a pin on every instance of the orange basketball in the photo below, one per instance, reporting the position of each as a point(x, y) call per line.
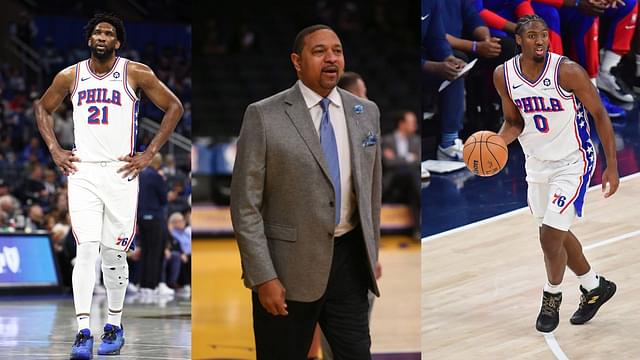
point(485, 153)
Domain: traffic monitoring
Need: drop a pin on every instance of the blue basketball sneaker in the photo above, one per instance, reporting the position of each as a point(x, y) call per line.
point(112, 340)
point(83, 346)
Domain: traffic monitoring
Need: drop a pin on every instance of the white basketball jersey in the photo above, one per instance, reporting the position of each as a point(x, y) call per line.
point(555, 122)
point(105, 113)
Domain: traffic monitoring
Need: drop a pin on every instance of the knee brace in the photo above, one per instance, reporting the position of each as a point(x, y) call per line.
point(115, 270)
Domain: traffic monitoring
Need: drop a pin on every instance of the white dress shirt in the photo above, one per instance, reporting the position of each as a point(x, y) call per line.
point(339, 123)
point(402, 145)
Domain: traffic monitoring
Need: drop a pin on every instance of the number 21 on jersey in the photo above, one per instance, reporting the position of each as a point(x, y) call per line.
point(98, 116)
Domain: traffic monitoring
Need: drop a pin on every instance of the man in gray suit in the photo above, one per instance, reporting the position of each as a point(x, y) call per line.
point(305, 206)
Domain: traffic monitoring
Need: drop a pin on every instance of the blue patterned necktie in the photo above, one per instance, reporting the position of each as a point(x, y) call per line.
point(330, 149)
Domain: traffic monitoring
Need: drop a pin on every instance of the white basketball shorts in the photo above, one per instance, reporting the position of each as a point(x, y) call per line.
point(103, 204)
point(556, 189)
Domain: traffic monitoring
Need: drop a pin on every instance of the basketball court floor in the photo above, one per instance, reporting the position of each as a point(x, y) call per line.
point(222, 327)
point(44, 327)
point(483, 270)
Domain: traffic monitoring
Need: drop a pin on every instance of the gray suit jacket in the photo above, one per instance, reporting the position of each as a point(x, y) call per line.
point(282, 196)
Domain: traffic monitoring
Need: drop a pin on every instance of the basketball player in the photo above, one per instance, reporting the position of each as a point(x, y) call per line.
point(545, 99)
point(103, 167)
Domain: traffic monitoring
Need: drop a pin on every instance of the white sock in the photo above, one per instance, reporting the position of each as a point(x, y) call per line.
point(114, 318)
point(590, 280)
point(554, 289)
point(83, 281)
point(638, 65)
point(609, 60)
point(84, 321)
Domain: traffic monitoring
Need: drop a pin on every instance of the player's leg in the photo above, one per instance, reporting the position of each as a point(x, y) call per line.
point(581, 33)
point(576, 261)
point(551, 240)
point(120, 199)
point(620, 26)
point(555, 254)
point(85, 211)
point(553, 234)
point(596, 290)
point(115, 272)
point(451, 103)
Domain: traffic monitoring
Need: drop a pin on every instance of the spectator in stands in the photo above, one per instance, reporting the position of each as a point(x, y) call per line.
point(50, 220)
point(9, 168)
point(34, 152)
point(353, 83)
point(178, 198)
point(33, 188)
point(501, 16)
point(4, 187)
point(64, 251)
point(579, 23)
point(152, 233)
point(63, 126)
point(17, 82)
point(35, 219)
point(439, 63)
point(60, 201)
point(24, 28)
point(9, 208)
point(460, 16)
point(51, 57)
point(9, 205)
point(50, 182)
point(171, 172)
point(178, 253)
point(401, 165)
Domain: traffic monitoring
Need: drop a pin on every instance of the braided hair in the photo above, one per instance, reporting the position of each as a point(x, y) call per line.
point(527, 19)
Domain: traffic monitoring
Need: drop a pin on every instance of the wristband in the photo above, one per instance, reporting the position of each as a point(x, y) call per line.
point(474, 47)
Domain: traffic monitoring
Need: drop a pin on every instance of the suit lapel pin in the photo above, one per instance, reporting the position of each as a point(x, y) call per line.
point(358, 109)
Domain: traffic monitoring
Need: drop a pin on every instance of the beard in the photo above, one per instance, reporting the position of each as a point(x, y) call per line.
point(106, 54)
point(540, 58)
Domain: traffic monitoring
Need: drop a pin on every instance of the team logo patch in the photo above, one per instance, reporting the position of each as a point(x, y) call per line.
point(116, 75)
point(559, 200)
point(546, 82)
point(122, 240)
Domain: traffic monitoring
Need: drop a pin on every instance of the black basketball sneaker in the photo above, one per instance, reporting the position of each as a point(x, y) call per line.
point(549, 316)
point(590, 301)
